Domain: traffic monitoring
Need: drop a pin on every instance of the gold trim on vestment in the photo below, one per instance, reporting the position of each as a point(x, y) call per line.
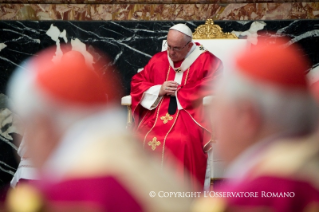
point(207, 143)
point(154, 122)
point(186, 76)
point(172, 124)
point(200, 124)
point(187, 111)
point(142, 120)
point(133, 111)
point(197, 122)
point(158, 108)
point(210, 141)
point(163, 151)
point(169, 68)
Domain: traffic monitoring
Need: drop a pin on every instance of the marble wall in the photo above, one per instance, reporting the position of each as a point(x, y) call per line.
point(129, 43)
point(156, 11)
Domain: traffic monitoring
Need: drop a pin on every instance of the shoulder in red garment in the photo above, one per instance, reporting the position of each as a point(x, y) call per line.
point(102, 193)
point(285, 180)
point(158, 59)
point(265, 193)
point(94, 194)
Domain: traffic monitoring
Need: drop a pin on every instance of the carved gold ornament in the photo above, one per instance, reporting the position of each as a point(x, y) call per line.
point(209, 30)
point(154, 143)
point(166, 118)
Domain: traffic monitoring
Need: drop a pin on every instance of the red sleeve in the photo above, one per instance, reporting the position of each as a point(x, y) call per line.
point(140, 83)
point(191, 95)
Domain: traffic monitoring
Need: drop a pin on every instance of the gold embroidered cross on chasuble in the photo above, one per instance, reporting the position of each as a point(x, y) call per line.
point(166, 118)
point(154, 143)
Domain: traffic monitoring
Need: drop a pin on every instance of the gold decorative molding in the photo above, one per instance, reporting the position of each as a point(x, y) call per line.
point(209, 30)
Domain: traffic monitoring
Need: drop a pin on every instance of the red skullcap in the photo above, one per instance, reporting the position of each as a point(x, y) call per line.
point(276, 64)
point(71, 80)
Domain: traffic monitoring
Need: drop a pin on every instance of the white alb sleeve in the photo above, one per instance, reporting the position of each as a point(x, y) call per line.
point(151, 99)
point(178, 79)
point(179, 106)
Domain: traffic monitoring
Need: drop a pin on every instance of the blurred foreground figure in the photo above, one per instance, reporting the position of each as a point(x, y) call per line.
point(263, 115)
point(76, 139)
point(26, 171)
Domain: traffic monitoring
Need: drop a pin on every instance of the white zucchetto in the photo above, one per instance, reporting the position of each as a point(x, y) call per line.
point(183, 28)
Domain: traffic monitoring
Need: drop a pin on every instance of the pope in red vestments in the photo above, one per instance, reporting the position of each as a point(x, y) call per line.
point(179, 136)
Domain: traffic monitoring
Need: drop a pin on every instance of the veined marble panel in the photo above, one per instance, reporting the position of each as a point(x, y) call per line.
point(158, 12)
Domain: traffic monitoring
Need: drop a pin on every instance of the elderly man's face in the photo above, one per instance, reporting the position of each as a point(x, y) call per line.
point(224, 126)
point(177, 40)
point(41, 140)
point(233, 126)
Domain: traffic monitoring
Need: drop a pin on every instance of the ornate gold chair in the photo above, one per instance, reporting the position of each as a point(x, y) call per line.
point(223, 45)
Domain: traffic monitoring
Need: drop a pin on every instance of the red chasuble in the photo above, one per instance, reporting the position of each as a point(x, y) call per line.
point(180, 140)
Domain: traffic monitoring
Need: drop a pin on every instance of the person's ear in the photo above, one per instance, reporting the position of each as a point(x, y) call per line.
point(190, 44)
point(249, 117)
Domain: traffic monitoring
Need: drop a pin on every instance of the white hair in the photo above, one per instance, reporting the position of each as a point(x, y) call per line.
point(29, 100)
point(289, 110)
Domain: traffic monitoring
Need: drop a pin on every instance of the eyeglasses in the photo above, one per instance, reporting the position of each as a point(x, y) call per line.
point(175, 49)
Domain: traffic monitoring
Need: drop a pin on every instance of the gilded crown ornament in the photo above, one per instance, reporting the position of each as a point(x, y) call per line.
point(209, 30)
